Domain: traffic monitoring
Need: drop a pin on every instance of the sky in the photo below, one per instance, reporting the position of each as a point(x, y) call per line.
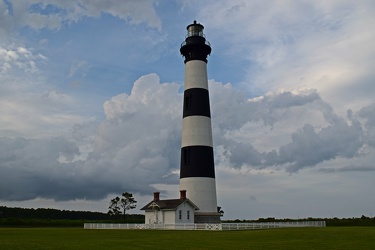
point(91, 103)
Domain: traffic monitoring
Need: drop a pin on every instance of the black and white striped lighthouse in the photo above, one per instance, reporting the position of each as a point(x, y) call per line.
point(197, 170)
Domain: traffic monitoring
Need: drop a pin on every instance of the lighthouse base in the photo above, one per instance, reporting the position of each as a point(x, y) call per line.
point(201, 217)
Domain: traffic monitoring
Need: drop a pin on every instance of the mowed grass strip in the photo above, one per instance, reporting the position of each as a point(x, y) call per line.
point(286, 238)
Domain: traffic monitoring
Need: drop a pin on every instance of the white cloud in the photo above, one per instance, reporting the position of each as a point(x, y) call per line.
point(147, 95)
point(17, 57)
point(53, 14)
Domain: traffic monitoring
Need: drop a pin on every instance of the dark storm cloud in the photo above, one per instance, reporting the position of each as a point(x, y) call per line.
point(31, 168)
point(241, 154)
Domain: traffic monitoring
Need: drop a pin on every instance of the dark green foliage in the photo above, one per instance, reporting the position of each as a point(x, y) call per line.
point(42, 217)
point(363, 221)
point(49, 213)
point(126, 202)
point(114, 207)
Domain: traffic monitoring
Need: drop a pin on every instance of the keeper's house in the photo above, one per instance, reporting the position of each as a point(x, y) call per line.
point(173, 211)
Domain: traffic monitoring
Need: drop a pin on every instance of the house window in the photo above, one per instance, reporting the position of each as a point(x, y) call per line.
point(179, 214)
point(188, 214)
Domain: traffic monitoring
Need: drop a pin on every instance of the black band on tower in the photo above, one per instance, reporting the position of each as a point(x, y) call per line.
point(196, 102)
point(197, 161)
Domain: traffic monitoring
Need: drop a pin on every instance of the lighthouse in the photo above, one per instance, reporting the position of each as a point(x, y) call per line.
point(197, 169)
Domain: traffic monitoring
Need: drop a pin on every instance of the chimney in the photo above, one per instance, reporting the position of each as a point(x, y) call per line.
point(183, 194)
point(156, 196)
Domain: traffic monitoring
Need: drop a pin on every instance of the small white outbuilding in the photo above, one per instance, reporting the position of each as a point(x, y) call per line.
point(172, 211)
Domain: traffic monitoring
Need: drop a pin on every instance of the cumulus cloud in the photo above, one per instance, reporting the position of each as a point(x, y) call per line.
point(52, 14)
point(137, 145)
point(142, 131)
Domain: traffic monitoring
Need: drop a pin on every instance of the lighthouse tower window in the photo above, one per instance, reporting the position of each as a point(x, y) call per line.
point(187, 102)
point(186, 156)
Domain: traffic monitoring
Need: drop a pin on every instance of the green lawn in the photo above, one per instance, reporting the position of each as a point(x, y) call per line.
point(286, 238)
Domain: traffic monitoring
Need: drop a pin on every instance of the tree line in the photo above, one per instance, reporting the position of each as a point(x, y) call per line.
point(50, 213)
point(330, 222)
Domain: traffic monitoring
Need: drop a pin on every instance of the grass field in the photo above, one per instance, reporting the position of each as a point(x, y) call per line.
point(286, 238)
